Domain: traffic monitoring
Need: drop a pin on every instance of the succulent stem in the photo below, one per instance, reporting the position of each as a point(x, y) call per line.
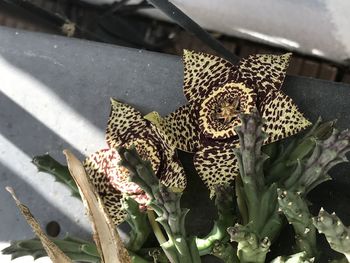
point(226, 218)
point(337, 235)
point(296, 210)
point(77, 249)
point(166, 204)
point(284, 159)
point(138, 221)
point(45, 163)
point(155, 227)
point(225, 252)
point(258, 200)
point(326, 154)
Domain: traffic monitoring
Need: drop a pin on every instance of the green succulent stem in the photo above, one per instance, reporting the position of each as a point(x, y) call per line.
point(76, 249)
point(257, 201)
point(226, 218)
point(305, 145)
point(313, 171)
point(337, 234)
point(225, 251)
point(155, 227)
point(250, 248)
point(284, 159)
point(298, 168)
point(138, 221)
point(166, 204)
point(45, 163)
point(296, 210)
point(300, 257)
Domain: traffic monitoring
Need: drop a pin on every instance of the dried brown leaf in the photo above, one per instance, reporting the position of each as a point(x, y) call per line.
point(53, 251)
point(106, 237)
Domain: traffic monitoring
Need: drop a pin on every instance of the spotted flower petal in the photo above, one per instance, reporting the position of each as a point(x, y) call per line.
point(180, 127)
point(263, 72)
point(217, 165)
point(148, 150)
point(126, 128)
point(171, 172)
point(282, 117)
point(124, 124)
point(175, 177)
point(217, 91)
point(105, 174)
point(203, 72)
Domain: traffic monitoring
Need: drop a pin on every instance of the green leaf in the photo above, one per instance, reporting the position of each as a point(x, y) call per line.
point(45, 163)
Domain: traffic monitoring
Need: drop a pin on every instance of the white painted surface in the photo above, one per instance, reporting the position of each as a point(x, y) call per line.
point(318, 27)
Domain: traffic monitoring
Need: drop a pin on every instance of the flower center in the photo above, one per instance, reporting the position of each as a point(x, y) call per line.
point(228, 110)
point(218, 113)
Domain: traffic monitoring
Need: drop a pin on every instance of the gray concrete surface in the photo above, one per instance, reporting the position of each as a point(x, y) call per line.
point(54, 94)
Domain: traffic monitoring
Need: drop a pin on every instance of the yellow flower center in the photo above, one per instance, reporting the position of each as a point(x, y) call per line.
point(218, 114)
point(227, 110)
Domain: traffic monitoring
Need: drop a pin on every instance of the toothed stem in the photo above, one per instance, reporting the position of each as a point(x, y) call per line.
point(320, 131)
point(226, 218)
point(300, 257)
point(47, 164)
point(251, 248)
point(325, 155)
point(297, 213)
point(75, 248)
point(337, 235)
point(138, 221)
point(258, 201)
point(282, 165)
point(166, 204)
point(225, 252)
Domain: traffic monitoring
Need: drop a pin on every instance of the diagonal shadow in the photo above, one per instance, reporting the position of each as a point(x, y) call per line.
point(25, 131)
point(12, 224)
point(31, 136)
point(87, 73)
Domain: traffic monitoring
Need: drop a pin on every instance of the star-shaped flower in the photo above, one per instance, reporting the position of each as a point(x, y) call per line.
point(217, 92)
point(127, 127)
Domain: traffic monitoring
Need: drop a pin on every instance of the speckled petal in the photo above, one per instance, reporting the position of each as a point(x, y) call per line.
point(171, 172)
point(174, 175)
point(123, 124)
point(282, 117)
point(203, 72)
point(180, 127)
point(112, 201)
point(147, 150)
point(110, 195)
point(112, 181)
point(105, 163)
point(217, 165)
point(263, 72)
